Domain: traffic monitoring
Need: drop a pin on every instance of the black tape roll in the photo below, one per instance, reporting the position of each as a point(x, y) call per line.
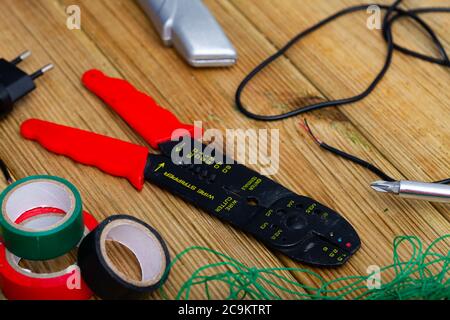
point(100, 274)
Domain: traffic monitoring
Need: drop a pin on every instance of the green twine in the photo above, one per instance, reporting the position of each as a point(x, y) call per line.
point(424, 276)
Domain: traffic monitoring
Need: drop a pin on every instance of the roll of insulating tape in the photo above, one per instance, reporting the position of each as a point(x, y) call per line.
point(43, 239)
point(103, 277)
point(18, 283)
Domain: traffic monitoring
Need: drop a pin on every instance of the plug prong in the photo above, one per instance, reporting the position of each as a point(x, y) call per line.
point(21, 57)
point(41, 71)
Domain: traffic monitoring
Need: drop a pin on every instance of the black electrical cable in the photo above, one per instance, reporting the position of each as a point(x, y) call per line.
point(355, 159)
point(391, 46)
point(393, 14)
point(5, 171)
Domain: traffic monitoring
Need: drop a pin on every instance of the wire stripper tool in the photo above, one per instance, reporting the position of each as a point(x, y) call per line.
point(297, 226)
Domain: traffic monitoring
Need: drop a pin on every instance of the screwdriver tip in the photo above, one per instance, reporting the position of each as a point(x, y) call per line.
point(386, 186)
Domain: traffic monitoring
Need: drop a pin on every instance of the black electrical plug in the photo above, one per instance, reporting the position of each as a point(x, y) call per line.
point(15, 83)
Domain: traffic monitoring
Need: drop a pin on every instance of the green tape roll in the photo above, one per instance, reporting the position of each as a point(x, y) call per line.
point(41, 239)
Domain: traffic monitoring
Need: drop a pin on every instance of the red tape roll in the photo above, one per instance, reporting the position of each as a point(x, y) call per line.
point(21, 284)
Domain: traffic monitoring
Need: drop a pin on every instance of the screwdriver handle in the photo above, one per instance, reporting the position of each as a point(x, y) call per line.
point(154, 123)
point(113, 156)
point(433, 192)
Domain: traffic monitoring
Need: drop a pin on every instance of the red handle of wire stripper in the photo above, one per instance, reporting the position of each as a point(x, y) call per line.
point(154, 123)
point(113, 156)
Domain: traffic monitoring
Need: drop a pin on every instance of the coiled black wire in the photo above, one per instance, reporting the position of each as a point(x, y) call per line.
point(389, 19)
point(393, 14)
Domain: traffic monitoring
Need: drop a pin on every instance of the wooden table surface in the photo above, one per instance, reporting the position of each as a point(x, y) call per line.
point(403, 127)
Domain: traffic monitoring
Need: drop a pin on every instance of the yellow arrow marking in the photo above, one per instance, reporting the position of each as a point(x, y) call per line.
point(161, 165)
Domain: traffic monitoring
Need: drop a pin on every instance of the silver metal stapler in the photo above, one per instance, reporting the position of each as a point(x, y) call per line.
point(189, 26)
